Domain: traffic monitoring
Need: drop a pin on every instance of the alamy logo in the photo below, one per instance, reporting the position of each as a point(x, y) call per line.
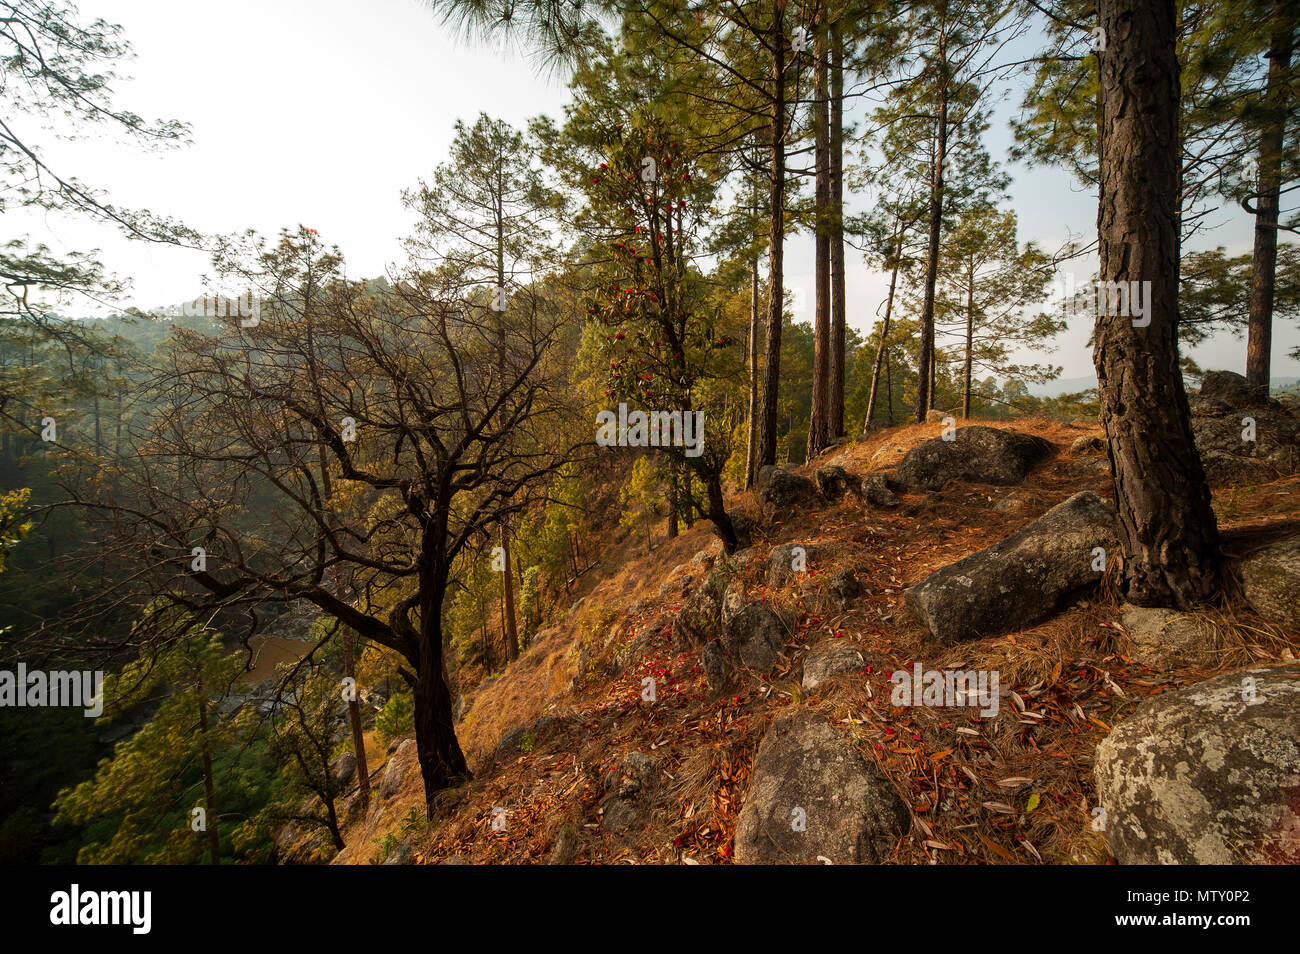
point(948, 687)
point(102, 907)
point(59, 688)
point(653, 429)
point(1094, 299)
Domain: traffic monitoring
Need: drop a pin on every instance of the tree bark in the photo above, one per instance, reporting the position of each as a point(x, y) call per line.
point(776, 242)
point(884, 335)
point(751, 448)
point(819, 415)
point(442, 763)
point(835, 417)
point(354, 719)
point(508, 587)
point(970, 341)
point(1170, 541)
point(925, 362)
point(1259, 342)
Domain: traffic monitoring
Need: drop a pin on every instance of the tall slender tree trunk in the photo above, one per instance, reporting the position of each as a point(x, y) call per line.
point(209, 786)
point(819, 416)
point(776, 242)
point(925, 363)
point(751, 447)
point(511, 628)
point(354, 720)
point(884, 332)
point(1168, 532)
point(970, 342)
point(835, 417)
point(889, 383)
point(1259, 342)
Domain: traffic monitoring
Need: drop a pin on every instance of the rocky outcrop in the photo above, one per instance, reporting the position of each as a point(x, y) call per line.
point(979, 454)
point(877, 492)
point(700, 618)
point(784, 491)
point(789, 559)
point(1208, 774)
point(1021, 580)
point(1270, 579)
point(1163, 637)
point(813, 798)
point(832, 481)
point(843, 588)
point(754, 637)
point(400, 764)
point(1243, 438)
point(1087, 446)
point(629, 788)
point(828, 659)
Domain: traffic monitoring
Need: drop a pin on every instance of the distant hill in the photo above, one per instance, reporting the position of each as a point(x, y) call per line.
point(1075, 385)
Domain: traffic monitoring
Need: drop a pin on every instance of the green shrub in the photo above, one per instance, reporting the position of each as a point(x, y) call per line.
point(396, 718)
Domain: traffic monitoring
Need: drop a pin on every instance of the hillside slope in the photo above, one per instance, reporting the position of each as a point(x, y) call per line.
point(572, 764)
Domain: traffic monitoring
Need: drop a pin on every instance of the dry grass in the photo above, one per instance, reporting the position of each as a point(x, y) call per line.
point(969, 782)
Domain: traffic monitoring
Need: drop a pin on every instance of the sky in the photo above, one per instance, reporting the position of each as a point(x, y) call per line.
point(320, 112)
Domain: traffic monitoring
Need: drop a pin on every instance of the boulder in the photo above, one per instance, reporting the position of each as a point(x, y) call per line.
point(844, 588)
point(1219, 424)
point(629, 786)
point(785, 561)
point(832, 481)
point(812, 796)
point(1270, 579)
point(783, 492)
point(1021, 580)
point(1087, 446)
point(936, 416)
point(754, 637)
point(717, 665)
point(1207, 774)
point(1234, 470)
point(700, 618)
point(979, 454)
point(1163, 637)
point(876, 491)
point(397, 768)
point(401, 855)
point(1089, 467)
point(344, 768)
point(827, 659)
point(1229, 387)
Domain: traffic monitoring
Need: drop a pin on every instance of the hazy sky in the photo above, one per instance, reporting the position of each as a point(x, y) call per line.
point(320, 112)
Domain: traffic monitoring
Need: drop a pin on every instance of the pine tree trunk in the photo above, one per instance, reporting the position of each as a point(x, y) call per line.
point(508, 587)
point(926, 360)
point(884, 335)
point(672, 501)
point(354, 719)
point(970, 341)
point(835, 417)
point(751, 448)
point(776, 242)
point(1259, 341)
point(1167, 529)
point(819, 419)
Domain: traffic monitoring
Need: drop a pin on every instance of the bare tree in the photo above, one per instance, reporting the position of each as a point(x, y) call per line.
point(431, 437)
